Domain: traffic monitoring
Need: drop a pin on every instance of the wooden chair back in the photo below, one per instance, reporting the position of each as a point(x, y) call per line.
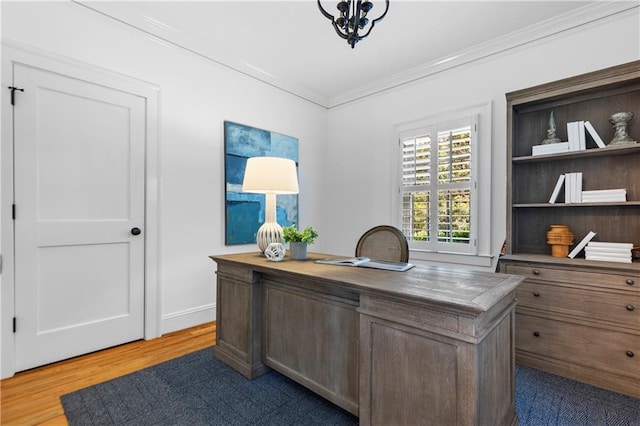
point(383, 242)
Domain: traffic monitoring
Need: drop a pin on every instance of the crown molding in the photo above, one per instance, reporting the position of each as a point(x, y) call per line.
point(172, 37)
point(553, 27)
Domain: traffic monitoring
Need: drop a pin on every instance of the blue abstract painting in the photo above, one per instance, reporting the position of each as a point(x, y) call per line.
point(245, 212)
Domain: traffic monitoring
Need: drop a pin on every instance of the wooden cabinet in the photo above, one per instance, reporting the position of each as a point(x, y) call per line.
point(575, 317)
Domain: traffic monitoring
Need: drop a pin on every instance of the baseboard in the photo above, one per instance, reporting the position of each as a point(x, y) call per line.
point(188, 318)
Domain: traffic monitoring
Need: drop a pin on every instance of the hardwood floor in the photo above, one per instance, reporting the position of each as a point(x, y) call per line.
point(33, 397)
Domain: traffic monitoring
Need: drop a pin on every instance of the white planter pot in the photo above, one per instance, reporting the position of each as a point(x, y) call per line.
point(298, 251)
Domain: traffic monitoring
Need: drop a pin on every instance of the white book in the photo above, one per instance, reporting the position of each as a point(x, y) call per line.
point(618, 250)
point(571, 136)
point(556, 190)
point(596, 137)
point(581, 244)
point(589, 253)
point(610, 245)
point(574, 142)
point(605, 191)
point(552, 148)
point(582, 142)
point(567, 187)
point(572, 187)
point(577, 188)
point(603, 198)
point(609, 259)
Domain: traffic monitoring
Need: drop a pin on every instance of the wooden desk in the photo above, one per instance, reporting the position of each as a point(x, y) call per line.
point(428, 346)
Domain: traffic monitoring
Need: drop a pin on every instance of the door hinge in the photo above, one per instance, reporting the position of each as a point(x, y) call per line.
point(13, 211)
point(13, 94)
point(14, 324)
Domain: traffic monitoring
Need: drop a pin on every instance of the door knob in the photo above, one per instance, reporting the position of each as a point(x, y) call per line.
point(135, 231)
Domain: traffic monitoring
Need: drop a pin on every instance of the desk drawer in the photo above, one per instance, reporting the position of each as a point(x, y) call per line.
point(591, 347)
point(617, 281)
point(612, 307)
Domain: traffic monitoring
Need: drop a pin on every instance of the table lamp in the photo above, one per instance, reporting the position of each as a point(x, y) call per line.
point(270, 176)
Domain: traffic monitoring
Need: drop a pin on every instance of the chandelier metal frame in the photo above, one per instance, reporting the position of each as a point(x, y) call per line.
point(352, 18)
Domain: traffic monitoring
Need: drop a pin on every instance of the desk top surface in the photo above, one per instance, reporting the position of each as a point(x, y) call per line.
point(471, 290)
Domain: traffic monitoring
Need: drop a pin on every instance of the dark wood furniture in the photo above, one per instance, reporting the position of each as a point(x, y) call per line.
point(426, 346)
point(576, 318)
point(383, 242)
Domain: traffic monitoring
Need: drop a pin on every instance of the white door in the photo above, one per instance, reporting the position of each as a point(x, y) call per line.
point(79, 195)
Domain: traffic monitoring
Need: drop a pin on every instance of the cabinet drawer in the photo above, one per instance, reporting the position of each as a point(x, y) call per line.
point(591, 347)
point(597, 279)
point(622, 309)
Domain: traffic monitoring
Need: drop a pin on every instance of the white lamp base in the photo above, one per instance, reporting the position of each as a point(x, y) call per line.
point(269, 232)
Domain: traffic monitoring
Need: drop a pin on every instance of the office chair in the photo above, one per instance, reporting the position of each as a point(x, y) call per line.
point(383, 243)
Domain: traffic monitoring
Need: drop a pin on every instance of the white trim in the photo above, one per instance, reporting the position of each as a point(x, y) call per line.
point(17, 53)
point(482, 176)
point(188, 318)
point(553, 27)
point(197, 46)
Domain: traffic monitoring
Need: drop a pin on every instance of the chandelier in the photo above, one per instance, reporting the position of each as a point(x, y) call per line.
point(352, 19)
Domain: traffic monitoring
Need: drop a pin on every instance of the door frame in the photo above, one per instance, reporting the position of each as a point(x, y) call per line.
point(13, 52)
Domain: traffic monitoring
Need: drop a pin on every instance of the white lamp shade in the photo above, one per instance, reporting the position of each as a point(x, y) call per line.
point(270, 175)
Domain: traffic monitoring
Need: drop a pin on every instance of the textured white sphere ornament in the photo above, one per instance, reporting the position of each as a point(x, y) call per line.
point(275, 252)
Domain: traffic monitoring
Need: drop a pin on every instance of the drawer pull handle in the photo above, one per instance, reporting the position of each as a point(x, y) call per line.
point(630, 308)
point(537, 272)
point(536, 294)
point(630, 282)
point(537, 334)
point(630, 354)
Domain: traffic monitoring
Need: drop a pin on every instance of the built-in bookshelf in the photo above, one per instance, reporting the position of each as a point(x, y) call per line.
point(576, 317)
point(592, 97)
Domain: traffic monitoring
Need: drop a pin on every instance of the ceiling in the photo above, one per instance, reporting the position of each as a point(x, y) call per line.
point(290, 45)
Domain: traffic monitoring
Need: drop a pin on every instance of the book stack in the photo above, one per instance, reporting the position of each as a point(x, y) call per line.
point(604, 196)
point(576, 136)
point(608, 252)
point(573, 192)
point(573, 187)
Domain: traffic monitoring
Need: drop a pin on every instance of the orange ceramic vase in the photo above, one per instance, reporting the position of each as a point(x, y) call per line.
point(559, 238)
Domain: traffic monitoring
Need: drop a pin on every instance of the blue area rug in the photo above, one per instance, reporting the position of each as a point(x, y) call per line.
point(197, 389)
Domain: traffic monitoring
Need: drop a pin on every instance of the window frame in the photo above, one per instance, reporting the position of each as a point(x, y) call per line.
point(477, 252)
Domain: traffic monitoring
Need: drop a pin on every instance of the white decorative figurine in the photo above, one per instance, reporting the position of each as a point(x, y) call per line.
point(274, 252)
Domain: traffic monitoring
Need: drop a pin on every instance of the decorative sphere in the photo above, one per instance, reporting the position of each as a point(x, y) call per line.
point(274, 252)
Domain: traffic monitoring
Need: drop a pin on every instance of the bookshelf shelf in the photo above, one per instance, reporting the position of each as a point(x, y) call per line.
point(575, 205)
point(588, 153)
point(565, 302)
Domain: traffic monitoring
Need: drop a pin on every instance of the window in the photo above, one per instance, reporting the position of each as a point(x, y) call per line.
point(438, 190)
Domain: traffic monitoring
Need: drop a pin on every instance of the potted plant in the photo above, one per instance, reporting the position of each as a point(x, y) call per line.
point(298, 240)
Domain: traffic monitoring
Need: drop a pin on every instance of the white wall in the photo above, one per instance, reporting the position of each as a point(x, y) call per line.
point(196, 96)
point(345, 154)
point(361, 141)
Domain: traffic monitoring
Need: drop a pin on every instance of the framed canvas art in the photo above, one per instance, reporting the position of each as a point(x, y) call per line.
point(245, 212)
